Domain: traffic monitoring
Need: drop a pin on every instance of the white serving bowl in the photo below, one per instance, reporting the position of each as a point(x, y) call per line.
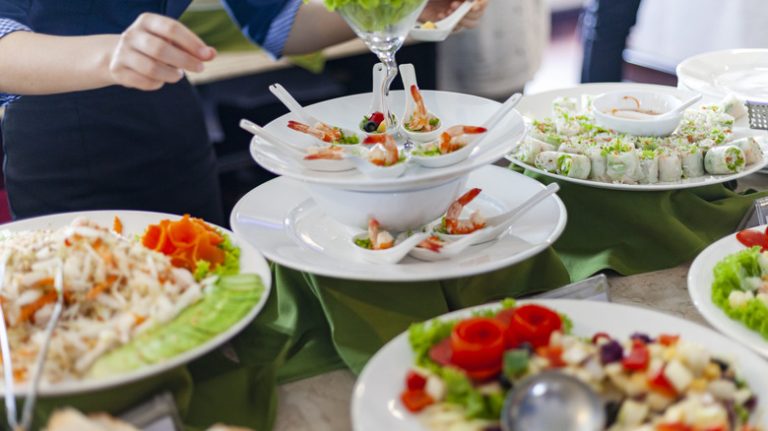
point(653, 126)
point(396, 211)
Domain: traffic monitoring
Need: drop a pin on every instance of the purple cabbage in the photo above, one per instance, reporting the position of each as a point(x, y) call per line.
point(641, 337)
point(611, 352)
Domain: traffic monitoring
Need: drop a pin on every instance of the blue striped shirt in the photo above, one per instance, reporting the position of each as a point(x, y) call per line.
point(249, 14)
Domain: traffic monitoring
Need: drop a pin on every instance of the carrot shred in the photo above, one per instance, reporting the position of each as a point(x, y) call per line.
point(117, 225)
point(99, 288)
point(187, 241)
point(29, 310)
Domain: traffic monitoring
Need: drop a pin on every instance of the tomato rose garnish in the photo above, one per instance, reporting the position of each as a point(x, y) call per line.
point(477, 346)
point(531, 323)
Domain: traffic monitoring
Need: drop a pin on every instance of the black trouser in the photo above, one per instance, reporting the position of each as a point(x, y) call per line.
point(605, 26)
point(112, 148)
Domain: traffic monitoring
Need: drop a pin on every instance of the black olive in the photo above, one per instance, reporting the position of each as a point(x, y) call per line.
point(370, 127)
point(611, 412)
point(504, 382)
point(722, 364)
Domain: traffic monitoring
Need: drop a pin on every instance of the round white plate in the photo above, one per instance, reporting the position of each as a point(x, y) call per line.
point(453, 109)
point(743, 72)
point(279, 218)
point(134, 223)
point(376, 398)
point(700, 278)
point(539, 106)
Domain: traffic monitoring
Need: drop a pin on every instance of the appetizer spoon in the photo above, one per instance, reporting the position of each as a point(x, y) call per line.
point(444, 27)
point(495, 227)
point(408, 74)
point(294, 154)
point(464, 153)
point(552, 401)
point(295, 107)
point(391, 255)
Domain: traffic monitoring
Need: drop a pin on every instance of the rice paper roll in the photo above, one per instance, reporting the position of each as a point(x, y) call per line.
point(649, 166)
point(567, 124)
point(719, 119)
point(573, 165)
point(734, 107)
point(564, 104)
point(530, 148)
point(545, 131)
point(692, 160)
point(706, 144)
point(598, 165)
point(622, 167)
point(670, 166)
point(547, 161)
point(752, 151)
point(725, 159)
point(571, 145)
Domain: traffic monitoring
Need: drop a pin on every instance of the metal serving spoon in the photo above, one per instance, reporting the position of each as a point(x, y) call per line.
point(552, 401)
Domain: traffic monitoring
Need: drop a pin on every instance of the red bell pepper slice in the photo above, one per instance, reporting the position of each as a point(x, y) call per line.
point(661, 384)
point(533, 324)
point(668, 339)
point(638, 357)
point(751, 238)
point(477, 344)
point(416, 400)
point(677, 426)
point(599, 335)
point(414, 381)
point(554, 354)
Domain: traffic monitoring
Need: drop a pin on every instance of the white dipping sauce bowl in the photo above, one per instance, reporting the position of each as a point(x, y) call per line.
point(396, 211)
point(656, 102)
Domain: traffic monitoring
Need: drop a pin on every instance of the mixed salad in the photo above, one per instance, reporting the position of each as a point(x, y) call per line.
point(375, 15)
point(740, 286)
point(167, 288)
point(374, 123)
point(464, 368)
point(572, 144)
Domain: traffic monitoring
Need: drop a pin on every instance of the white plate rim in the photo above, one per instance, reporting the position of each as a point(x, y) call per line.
point(256, 264)
point(479, 156)
point(695, 82)
point(398, 276)
point(598, 88)
point(700, 278)
point(741, 354)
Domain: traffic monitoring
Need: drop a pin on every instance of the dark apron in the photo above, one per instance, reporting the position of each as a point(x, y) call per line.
point(112, 148)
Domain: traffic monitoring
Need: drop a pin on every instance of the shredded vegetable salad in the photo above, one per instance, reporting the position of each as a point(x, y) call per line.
point(114, 288)
point(464, 368)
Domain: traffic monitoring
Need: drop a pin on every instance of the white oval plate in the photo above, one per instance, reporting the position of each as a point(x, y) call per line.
point(134, 223)
point(277, 218)
point(376, 398)
point(743, 72)
point(539, 106)
point(453, 109)
point(700, 278)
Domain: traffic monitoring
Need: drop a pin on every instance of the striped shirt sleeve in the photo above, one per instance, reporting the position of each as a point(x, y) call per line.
point(8, 26)
point(280, 29)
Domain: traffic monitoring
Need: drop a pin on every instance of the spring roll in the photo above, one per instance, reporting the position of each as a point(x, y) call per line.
point(545, 131)
point(547, 161)
point(531, 148)
point(622, 167)
point(573, 165)
point(564, 104)
point(692, 161)
point(752, 151)
point(670, 165)
point(732, 106)
point(598, 165)
point(649, 166)
point(725, 159)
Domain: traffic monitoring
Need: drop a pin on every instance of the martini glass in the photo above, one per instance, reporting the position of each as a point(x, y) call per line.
point(383, 25)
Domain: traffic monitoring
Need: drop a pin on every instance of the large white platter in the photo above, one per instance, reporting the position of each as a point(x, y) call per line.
point(700, 278)
point(376, 398)
point(743, 72)
point(539, 106)
point(279, 218)
point(452, 108)
point(134, 223)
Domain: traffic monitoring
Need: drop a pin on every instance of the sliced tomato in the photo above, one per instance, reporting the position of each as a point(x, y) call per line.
point(533, 324)
point(416, 400)
point(599, 335)
point(554, 354)
point(677, 426)
point(441, 353)
point(414, 381)
point(477, 344)
point(667, 339)
point(661, 384)
point(483, 374)
point(752, 238)
point(638, 358)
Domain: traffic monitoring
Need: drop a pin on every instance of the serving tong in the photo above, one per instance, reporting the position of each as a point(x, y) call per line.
point(37, 373)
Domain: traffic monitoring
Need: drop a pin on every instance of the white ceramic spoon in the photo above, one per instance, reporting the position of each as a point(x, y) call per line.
point(391, 255)
point(379, 75)
point(295, 107)
point(408, 74)
point(636, 115)
point(370, 170)
point(295, 154)
point(444, 27)
point(460, 155)
point(496, 226)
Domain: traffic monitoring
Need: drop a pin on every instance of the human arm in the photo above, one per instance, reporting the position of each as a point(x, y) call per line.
point(150, 53)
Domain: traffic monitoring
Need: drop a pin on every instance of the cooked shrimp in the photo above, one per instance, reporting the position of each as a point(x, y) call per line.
point(475, 222)
point(325, 153)
point(384, 152)
point(419, 120)
point(380, 239)
point(433, 243)
point(456, 137)
point(321, 131)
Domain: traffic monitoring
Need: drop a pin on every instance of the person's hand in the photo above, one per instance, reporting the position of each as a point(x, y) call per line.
point(439, 9)
point(156, 50)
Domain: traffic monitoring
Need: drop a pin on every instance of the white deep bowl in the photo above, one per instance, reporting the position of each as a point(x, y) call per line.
point(657, 102)
point(396, 211)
